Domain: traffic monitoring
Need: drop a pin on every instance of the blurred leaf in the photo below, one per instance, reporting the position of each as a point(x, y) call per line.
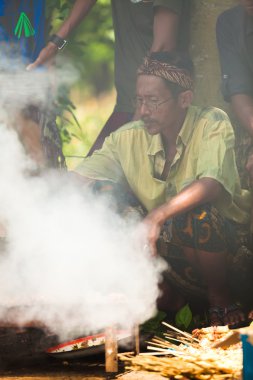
point(183, 317)
point(91, 51)
point(153, 325)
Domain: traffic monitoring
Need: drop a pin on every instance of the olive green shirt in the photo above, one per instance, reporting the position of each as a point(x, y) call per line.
point(205, 148)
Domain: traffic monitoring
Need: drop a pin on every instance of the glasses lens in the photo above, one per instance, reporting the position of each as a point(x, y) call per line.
point(150, 104)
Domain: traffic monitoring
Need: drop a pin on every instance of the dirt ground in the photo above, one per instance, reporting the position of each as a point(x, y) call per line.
point(23, 356)
point(43, 367)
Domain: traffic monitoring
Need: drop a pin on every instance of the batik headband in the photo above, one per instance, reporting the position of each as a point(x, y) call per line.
point(165, 70)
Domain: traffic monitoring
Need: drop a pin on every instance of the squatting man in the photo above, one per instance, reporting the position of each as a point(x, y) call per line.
point(178, 162)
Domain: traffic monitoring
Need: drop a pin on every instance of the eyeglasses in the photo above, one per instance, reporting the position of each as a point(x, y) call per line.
point(152, 105)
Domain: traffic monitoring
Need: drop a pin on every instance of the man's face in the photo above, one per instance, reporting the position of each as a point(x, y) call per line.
point(156, 106)
point(248, 6)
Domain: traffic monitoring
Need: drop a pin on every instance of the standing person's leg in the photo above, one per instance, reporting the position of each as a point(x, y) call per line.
point(116, 120)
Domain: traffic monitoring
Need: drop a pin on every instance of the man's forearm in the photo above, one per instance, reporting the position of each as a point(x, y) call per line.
point(80, 180)
point(79, 11)
point(165, 30)
point(243, 107)
point(199, 192)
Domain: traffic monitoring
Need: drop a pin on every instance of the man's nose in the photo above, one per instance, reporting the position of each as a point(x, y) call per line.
point(144, 110)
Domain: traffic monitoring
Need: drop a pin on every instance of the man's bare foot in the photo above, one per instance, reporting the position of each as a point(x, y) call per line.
point(231, 315)
point(216, 316)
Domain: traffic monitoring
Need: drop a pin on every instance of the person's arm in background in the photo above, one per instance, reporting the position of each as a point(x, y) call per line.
point(236, 79)
point(79, 11)
point(165, 29)
point(242, 105)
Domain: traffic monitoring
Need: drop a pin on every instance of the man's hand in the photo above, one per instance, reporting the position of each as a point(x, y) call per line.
point(198, 192)
point(153, 223)
point(46, 56)
point(78, 13)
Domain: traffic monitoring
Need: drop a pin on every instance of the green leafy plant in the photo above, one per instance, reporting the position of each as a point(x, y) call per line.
point(90, 50)
point(184, 317)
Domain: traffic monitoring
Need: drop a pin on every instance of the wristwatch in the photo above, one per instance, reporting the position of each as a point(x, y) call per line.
point(58, 41)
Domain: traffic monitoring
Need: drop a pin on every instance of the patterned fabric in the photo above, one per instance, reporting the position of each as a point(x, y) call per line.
point(164, 70)
point(205, 229)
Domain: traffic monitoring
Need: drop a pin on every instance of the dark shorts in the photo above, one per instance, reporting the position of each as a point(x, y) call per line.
point(205, 229)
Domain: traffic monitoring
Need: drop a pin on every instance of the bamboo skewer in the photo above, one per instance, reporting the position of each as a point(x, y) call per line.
point(180, 331)
point(189, 359)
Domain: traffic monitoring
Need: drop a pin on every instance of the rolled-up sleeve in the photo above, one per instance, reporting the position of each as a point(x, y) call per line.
point(216, 156)
point(103, 164)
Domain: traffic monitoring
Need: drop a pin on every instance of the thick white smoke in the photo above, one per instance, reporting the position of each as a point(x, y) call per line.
point(19, 87)
point(70, 260)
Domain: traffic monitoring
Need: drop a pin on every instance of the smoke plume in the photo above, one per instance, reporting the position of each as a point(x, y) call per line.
point(70, 261)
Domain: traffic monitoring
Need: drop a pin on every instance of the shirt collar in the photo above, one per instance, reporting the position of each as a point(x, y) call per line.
point(187, 127)
point(156, 145)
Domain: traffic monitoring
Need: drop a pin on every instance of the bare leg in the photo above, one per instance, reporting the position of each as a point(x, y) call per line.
point(212, 266)
point(250, 314)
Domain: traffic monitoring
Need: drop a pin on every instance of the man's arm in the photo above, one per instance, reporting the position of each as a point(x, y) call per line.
point(199, 192)
point(236, 77)
point(242, 105)
point(79, 11)
point(80, 180)
point(165, 29)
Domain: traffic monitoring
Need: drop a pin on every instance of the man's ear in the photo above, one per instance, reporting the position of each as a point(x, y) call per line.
point(185, 98)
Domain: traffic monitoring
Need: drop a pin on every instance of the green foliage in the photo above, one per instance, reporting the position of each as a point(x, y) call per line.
point(153, 326)
point(90, 46)
point(183, 317)
point(90, 50)
point(64, 106)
